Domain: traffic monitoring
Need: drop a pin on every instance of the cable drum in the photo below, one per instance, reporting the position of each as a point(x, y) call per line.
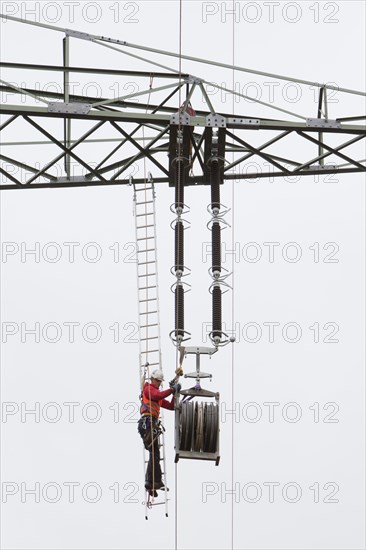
point(199, 427)
point(186, 426)
point(210, 427)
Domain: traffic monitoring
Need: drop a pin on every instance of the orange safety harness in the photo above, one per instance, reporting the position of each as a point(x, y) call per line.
point(149, 407)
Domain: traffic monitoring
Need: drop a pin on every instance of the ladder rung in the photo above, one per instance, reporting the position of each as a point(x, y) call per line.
point(148, 300)
point(150, 338)
point(146, 287)
point(145, 238)
point(145, 189)
point(147, 250)
point(147, 275)
point(150, 364)
point(145, 214)
point(143, 226)
point(152, 325)
point(150, 351)
point(146, 202)
point(144, 263)
point(148, 312)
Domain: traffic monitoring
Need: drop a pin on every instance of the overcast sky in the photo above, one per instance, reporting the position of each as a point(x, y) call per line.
point(293, 451)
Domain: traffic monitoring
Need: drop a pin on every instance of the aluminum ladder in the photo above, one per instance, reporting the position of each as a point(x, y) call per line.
point(148, 308)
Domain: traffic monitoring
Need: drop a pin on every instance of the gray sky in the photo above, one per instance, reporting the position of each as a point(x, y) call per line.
point(294, 449)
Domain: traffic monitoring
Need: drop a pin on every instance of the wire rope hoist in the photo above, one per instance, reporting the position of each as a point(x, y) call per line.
point(197, 422)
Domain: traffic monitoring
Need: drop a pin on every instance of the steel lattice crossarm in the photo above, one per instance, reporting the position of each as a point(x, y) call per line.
point(79, 139)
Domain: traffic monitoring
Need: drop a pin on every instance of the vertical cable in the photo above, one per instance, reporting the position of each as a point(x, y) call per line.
point(178, 253)
point(232, 299)
point(176, 508)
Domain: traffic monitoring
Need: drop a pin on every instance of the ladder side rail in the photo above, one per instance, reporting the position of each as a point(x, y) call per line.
point(163, 458)
point(146, 241)
point(141, 368)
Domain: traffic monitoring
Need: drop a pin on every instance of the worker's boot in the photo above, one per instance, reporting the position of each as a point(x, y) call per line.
point(160, 485)
point(149, 489)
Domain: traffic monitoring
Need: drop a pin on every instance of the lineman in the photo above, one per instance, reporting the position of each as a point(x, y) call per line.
point(149, 425)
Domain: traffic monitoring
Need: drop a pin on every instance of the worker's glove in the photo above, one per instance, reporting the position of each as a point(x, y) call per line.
point(176, 388)
point(179, 371)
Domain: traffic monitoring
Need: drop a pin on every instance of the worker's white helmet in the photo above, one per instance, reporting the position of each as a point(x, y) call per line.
point(158, 375)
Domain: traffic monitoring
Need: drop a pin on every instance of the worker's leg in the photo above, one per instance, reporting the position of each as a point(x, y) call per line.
point(153, 471)
point(151, 441)
point(145, 433)
point(148, 432)
point(144, 430)
point(156, 460)
point(149, 476)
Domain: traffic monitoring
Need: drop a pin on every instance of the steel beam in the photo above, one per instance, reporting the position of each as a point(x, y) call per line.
point(88, 70)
